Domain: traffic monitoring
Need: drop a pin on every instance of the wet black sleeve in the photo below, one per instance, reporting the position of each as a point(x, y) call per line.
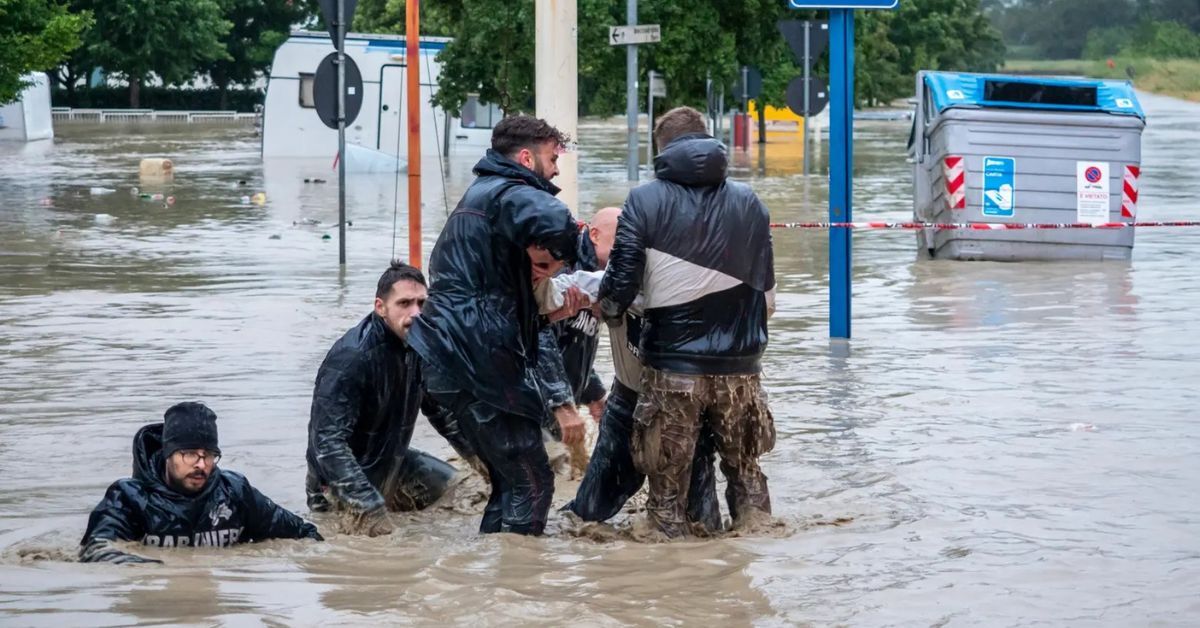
point(115, 518)
point(594, 390)
point(552, 374)
point(529, 216)
point(446, 424)
point(267, 520)
point(626, 264)
point(341, 385)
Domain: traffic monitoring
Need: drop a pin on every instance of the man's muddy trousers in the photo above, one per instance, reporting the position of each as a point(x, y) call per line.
point(670, 416)
point(511, 448)
point(611, 478)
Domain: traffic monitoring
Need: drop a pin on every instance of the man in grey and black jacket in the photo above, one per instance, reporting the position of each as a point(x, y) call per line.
point(698, 247)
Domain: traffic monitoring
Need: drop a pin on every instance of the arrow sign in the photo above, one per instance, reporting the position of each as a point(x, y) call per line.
point(628, 35)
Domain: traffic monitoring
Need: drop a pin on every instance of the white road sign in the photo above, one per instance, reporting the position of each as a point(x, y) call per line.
point(640, 34)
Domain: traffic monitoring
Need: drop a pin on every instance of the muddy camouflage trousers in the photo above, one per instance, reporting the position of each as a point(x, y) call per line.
point(671, 413)
point(611, 478)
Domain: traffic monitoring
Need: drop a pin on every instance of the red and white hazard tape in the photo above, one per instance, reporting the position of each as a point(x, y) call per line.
point(980, 226)
point(1129, 191)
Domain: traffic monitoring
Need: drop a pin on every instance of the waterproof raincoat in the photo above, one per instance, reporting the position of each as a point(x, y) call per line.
point(145, 508)
point(480, 325)
point(698, 248)
point(364, 410)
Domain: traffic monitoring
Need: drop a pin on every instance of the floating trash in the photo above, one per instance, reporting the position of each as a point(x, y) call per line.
point(275, 236)
point(245, 200)
point(1083, 427)
point(326, 237)
point(306, 221)
point(104, 219)
point(259, 198)
point(170, 200)
point(98, 191)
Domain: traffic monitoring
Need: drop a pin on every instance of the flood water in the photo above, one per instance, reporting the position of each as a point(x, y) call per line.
point(1005, 444)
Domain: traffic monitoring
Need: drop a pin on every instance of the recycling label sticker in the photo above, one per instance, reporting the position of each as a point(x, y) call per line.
point(999, 186)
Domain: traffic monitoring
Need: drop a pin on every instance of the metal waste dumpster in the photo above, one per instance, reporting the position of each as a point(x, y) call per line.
point(1014, 150)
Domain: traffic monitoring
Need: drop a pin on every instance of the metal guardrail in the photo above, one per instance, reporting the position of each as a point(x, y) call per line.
point(67, 114)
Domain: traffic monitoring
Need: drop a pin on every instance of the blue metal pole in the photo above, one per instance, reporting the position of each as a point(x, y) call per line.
point(841, 165)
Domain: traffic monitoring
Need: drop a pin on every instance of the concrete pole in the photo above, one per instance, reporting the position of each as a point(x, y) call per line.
point(556, 85)
point(631, 93)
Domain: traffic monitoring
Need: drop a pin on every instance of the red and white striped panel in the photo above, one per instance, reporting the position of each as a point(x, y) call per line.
point(954, 169)
point(1129, 191)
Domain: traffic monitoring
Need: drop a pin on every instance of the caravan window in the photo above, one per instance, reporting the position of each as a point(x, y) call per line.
point(479, 115)
point(306, 90)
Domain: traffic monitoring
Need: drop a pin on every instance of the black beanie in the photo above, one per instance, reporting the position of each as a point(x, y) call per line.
point(189, 425)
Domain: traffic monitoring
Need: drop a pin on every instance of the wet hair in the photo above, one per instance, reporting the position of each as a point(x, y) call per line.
point(521, 131)
point(397, 271)
point(676, 123)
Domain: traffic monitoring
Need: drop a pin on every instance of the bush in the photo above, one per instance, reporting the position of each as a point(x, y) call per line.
point(1165, 40)
point(1104, 43)
point(161, 98)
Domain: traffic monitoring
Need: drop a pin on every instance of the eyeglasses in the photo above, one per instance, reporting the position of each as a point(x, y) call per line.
point(192, 456)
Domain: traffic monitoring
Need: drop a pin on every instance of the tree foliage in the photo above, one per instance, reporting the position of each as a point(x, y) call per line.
point(258, 28)
point(35, 35)
point(1068, 29)
point(168, 38)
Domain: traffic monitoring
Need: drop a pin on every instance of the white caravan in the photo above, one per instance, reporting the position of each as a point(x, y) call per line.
point(28, 118)
point(291, 127)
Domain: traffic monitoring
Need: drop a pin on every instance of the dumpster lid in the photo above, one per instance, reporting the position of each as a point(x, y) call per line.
point(957, 89)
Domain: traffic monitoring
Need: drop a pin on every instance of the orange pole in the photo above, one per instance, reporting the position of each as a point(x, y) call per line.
point(412, 32)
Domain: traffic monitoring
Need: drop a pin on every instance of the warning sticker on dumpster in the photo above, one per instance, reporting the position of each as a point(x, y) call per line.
point(1091, 186)
point(999, 186)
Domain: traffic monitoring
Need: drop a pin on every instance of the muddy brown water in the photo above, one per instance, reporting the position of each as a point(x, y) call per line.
point(1006, 444)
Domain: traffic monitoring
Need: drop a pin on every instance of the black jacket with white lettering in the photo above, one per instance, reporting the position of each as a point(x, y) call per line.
point(144, 508)
point(579, 337)
point(698, 247)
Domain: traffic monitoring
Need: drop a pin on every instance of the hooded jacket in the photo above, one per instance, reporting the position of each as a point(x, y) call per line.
point(363, 414)
point(480, 326)
point(698, 247)
point(144, 508)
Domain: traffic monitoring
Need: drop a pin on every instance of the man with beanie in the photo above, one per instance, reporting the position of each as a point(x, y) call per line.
point(178, 497)
point(364, 410)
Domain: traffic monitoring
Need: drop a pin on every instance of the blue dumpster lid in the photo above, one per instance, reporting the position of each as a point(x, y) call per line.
point(956, 89)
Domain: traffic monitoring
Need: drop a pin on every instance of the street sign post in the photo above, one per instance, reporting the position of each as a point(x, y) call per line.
point(626, 35)
point(841, 149)
point(337, 14)
point(631, 35)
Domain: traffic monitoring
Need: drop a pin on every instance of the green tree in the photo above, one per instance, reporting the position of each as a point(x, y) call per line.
point(35, 35)
point(172, 39)
point(258, 28)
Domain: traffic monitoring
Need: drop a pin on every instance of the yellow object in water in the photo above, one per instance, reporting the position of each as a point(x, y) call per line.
point(259, 198)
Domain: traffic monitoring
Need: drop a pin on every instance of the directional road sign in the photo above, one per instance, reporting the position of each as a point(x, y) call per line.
point(640, 34)
point(329, 12)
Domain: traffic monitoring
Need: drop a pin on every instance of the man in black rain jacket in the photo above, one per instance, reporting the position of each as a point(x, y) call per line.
point(698, 248)
point(178, 497)
point(478, 334)
point(364, 410)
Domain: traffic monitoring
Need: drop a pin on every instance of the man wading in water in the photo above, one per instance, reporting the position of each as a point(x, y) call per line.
point(698, 247)
point(178, 497)
point(364, 410)
point(478, 334)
